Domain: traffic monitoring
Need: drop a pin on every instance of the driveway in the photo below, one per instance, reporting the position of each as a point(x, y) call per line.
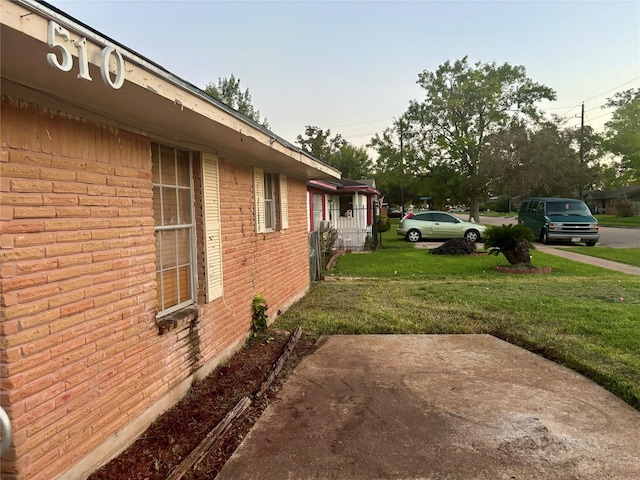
point(438, 407)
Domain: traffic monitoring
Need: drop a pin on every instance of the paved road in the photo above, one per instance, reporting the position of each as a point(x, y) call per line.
point(619, 237)
point(609, 236)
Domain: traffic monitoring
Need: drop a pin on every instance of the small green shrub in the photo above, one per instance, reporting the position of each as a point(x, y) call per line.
point(625, 209)
point(513, 241)
point(383, 223)
point(328, 238)
point(502, 205)
point(368, 242)
point(260, 308)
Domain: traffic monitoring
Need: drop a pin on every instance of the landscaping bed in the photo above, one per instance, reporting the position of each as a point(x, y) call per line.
point(181, 429)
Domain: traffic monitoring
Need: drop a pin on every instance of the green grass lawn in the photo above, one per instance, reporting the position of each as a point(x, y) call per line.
point(630, 256)
point(613, 221)
point(581, 316)
point(497, 214)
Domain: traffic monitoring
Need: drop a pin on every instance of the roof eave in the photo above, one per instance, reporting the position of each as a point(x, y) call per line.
point(152, 100)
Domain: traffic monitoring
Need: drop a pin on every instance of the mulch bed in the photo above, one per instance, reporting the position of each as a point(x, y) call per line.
point(181, 429)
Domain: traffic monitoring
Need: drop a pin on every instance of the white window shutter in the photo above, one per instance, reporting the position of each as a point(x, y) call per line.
point(212, 226)
point(284, 202)
point(258, 191)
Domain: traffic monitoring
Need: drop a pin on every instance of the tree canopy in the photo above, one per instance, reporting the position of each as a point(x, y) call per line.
point(353, 162)
point(622, 136)
point(518, 161)
point(463, 105)
point(319, 143)
point(228, 91)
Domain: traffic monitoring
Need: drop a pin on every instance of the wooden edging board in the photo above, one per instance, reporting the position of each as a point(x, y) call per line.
point(212, 438)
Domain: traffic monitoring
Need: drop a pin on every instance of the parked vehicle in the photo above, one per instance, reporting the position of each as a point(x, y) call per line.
point(559, 219)
point(438, 225)
point(456, 209)
point(394, 213)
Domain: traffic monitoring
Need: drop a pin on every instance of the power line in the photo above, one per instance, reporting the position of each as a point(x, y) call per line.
point(360, 135)
point(604, 114)
point(349, 124)
point(564, 115)
point(614, 88)
point(595, 108)
point(591, 98)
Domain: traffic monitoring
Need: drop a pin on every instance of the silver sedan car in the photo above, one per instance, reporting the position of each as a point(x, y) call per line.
point(438, 225)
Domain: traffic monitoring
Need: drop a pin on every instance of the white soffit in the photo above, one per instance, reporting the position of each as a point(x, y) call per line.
point(151, 100)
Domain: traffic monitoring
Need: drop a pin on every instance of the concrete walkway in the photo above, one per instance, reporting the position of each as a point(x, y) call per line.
point(438, 407)
point(560, 252)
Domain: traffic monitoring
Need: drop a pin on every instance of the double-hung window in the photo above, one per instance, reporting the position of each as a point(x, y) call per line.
point(174, 227)
point(318, 210)
point(271, 201)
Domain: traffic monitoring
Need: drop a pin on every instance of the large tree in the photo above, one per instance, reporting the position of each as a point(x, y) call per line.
point(539, 159)
point(228, 91)
point(622, 136)
point(403, 170)
point(353, 162)
point(319, 143)
point(463, 105)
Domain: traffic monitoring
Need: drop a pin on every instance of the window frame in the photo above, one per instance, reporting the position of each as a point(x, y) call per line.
point(160, 226)
point(270, 214)
point(444, 218)
point(318, 211)
point(346, 205)
point(272, 202)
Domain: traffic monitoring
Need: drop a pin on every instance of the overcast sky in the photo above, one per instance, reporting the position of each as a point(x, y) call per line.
point(352, 66)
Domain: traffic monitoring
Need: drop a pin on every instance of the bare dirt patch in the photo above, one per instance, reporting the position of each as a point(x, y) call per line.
point(181, 429)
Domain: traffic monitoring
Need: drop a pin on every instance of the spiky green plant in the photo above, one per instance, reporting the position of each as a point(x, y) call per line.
point(513, 241)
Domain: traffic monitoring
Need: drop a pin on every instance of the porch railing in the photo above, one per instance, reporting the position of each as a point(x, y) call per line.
point(351, 226)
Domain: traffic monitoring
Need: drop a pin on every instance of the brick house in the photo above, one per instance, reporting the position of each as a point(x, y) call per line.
point(348, 206)
point(139, 217)
point(609, 201)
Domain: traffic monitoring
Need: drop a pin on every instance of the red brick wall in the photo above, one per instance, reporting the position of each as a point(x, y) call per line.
point(81, 356)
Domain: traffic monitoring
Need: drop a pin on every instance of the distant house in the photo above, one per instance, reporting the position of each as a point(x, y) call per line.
point(139, 218)
point(348, 206)
point(609, 201)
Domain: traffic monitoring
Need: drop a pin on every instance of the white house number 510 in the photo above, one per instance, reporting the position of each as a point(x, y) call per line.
point(56, 32)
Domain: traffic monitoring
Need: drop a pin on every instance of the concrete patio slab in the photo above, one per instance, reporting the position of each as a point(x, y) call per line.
point(438, 407)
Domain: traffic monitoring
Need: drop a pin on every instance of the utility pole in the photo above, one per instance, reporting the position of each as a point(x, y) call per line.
point(581, 146)
point(582, 135)
point(402, 170)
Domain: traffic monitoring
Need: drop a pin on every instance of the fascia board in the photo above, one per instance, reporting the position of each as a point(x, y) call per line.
point(31, 18)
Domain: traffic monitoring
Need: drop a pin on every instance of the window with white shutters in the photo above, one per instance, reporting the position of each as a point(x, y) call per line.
point(258, 194)
point(271, 201)
point(284, 199)
point(174, 227)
